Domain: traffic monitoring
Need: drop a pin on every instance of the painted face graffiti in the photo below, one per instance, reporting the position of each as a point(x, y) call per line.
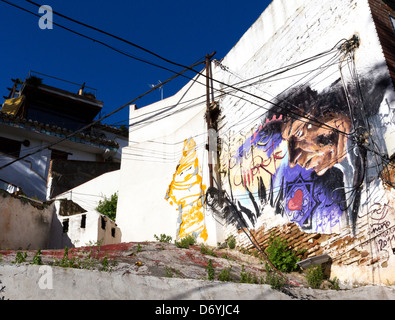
point(288, 163)
point(317, 146)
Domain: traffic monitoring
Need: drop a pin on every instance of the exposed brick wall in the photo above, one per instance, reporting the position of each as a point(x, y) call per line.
point(381, 16)
point(344, 249)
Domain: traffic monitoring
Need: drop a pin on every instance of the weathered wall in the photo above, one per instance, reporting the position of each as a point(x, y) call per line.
point(89, 194)
point(304, 135)
point(83, 229)
point(164, 173)
point(30, 225)
point(65, 175)
point(302, 147)
point(24, 224)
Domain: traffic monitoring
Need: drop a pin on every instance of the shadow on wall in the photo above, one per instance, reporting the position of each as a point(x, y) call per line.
point(58, 238)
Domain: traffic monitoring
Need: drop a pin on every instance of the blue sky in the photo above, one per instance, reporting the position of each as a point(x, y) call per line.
point(182, 31)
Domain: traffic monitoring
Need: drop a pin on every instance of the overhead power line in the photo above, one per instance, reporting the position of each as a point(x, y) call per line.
point(104, 117)
point(290, 112)
point(232, 87)
point(115, 37)
point(92, 39)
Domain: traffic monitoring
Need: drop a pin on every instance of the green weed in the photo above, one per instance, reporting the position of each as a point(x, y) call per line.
point(186, 242)
point(210, 270)
point(315, 276)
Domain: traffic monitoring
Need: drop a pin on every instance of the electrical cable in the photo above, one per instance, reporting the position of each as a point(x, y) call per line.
point(229, 93)
point(94, 40)
point(116, 37)
point(140, 47)
point(148, 51)
point(102, 118)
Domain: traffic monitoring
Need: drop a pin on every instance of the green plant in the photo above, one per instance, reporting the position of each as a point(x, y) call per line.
point(186, 242)
point(170, 272)
point(210, 270)
point(334, 283)
point(281, 256)
point(37, 258)
point(224, 275)
point(96, 243)
point(163, 238)
point(108, 207)
point(231, 241)
point(20, 257)
point(247, 277)
point(315, 276)
point(275, 280)
point(205, 250)
point(67, 262)
point(105, 264)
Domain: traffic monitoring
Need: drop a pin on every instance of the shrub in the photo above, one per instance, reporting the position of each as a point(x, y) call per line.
point(224, 275)
point(247, 277)
point(205, 250)
point(231, 241)
point(20, 257)
point(108, 207)
point(163, 238)
point(282, 258)
point(210, 270)
point(275, 280)
point(186, 242)
point(37, 258)
point(315, 276)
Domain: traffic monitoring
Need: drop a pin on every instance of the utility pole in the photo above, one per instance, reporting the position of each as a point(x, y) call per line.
point(208, 118)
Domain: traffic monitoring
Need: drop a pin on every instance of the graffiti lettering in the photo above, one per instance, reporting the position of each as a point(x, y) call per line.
point(383, 238)
point(245, 177)
point(379, 211)
point(378, 227)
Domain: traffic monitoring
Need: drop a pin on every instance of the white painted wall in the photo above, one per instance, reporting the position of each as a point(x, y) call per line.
point(94, 231)
point(286, 33)
point(156, 140)
point(291, 31)
point(88, 194)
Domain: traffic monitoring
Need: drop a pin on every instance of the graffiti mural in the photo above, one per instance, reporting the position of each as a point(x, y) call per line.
point(304, 160)
point(186, 192)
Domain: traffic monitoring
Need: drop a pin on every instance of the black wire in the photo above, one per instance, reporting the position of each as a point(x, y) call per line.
point(102, 118)
point(230, 86)
point(189, 68)
point(116, 37)
point(93, 39)
point(229, 93)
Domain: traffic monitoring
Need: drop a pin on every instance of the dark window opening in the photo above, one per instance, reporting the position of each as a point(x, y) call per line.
point(113, 232)
point(60, 155)
point(83, 221)
point(103, 223)
point(10, 147)
point(65, 225)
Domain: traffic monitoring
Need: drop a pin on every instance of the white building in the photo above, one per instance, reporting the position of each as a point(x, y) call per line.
point(305, 132)
point(39, 154)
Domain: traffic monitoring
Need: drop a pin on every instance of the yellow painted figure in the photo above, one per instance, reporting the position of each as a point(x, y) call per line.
point(186, 192)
